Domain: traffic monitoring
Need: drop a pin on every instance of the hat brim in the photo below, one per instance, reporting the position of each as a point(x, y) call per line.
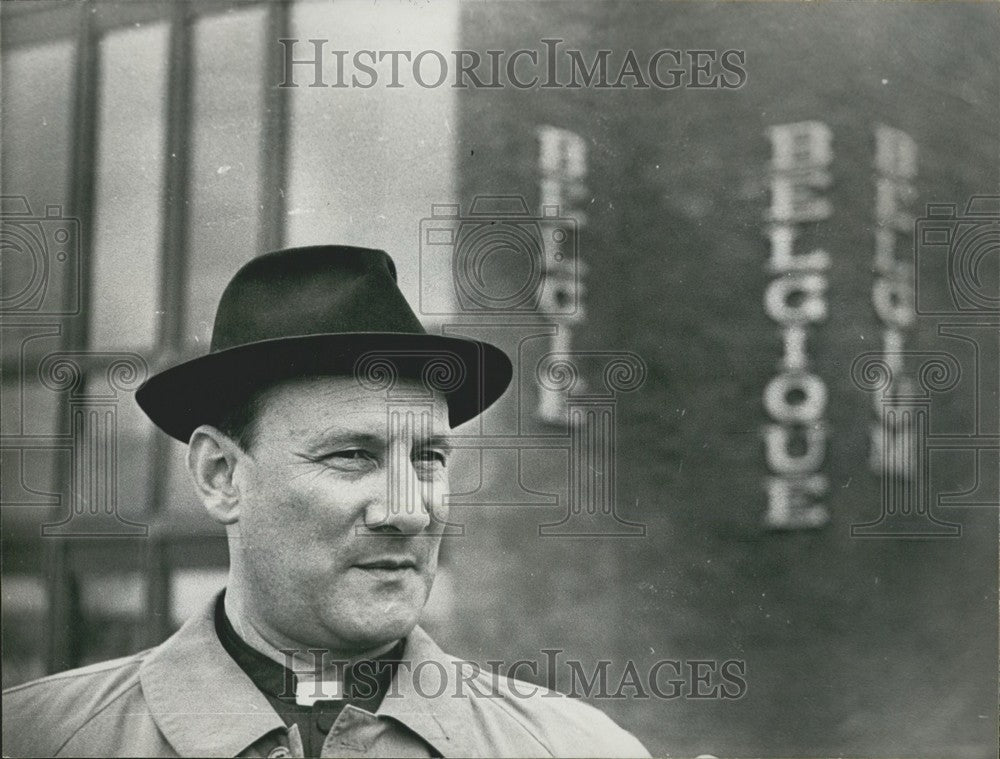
point(469, 373)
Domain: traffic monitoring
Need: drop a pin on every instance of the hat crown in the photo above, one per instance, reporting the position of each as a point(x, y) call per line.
point(320, 310)
point(325, 289)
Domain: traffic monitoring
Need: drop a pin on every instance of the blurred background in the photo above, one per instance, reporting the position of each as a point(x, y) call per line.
point(148, 152)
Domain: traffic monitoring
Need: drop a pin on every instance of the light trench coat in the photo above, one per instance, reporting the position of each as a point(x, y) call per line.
point(188, 697)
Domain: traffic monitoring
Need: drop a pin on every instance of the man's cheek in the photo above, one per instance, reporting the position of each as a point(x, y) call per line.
point(437, 499)
point(439, 511)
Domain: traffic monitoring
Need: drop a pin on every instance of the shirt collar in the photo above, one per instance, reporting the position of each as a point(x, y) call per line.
point(194, 688)
point(278, 682)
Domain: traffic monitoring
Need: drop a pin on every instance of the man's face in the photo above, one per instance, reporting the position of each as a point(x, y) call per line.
point(341, 507)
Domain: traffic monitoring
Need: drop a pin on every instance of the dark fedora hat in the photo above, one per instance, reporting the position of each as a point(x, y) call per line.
point(320, 310)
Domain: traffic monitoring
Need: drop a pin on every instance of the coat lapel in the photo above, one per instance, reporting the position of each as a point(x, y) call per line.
point(442, 719)
point(205, 705)
point(200, 699)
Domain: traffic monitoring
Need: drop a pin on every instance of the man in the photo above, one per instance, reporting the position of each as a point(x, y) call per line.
point(317, 431)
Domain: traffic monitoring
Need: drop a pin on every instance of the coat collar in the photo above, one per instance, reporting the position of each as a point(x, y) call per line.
point(194, 688)
point(201, 700)
point(426, 696)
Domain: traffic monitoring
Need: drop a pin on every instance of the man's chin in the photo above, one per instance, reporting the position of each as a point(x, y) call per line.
point(380, 633)
point(377, 624)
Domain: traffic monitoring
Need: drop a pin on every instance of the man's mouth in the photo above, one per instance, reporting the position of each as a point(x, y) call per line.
point(390, 563)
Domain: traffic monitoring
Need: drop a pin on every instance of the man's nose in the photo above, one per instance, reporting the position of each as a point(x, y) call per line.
point(404, 505)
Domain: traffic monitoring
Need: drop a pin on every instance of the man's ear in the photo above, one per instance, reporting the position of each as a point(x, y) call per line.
point(211, 460)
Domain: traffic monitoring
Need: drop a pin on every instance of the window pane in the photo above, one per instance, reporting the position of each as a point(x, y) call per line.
point(28, 489)
point(83, 465)
point(225, 184)
point(35, 107)
point(134, 435)
point(127, 230)
point(35, 100)
point(365, 165)
point(109, 623)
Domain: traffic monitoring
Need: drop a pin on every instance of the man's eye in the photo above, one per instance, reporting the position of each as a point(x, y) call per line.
point(433, 457)
point(354, 454)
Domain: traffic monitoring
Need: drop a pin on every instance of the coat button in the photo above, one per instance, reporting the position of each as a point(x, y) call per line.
point(279, 753)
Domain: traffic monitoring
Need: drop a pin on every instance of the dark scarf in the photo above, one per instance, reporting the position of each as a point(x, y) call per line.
point(365, 683)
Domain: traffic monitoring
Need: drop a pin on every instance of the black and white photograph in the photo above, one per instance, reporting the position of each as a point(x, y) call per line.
point(500, 378)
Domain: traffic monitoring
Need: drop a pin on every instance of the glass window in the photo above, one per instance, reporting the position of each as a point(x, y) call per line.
point(229, 58)
point(131, 134)
point(109, 621)
point(29, 406)
point(35, 108)
point(133, 437)
point(28, 490)
point(365, 165)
